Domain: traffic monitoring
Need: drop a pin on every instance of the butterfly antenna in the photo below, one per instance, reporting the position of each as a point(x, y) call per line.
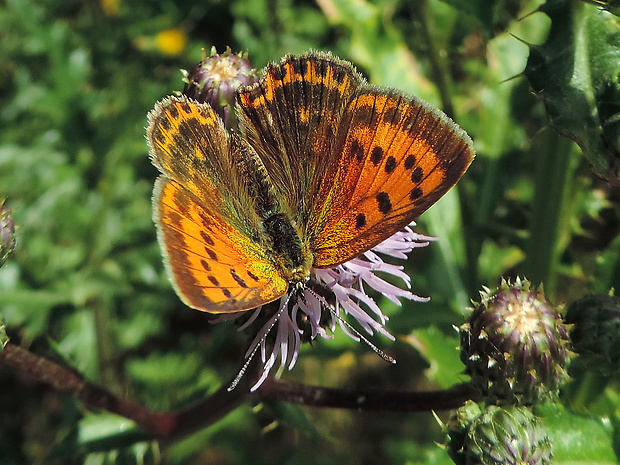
point(356, 333)
point(235, 381)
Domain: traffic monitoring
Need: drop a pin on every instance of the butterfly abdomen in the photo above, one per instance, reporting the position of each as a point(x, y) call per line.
point(289, 252)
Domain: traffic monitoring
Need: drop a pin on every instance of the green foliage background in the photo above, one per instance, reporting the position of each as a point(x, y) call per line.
point(86, 285)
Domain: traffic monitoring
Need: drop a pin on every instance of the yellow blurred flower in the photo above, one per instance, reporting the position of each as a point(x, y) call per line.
point(171, 41)
point(110, 7)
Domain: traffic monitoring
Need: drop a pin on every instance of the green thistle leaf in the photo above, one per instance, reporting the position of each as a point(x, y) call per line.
point(576, 73)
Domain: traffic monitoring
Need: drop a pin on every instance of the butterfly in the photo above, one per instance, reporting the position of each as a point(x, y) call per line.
point(324, 167)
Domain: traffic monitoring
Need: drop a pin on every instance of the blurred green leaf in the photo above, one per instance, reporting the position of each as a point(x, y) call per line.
point(410, 452)
point(607, 268)
point(444, 221)
point(29, 309)
point(102, 432)
point(483, 11)
point(442, 354)
point(495, 260)
point(295, 417)
point(377, 45)
point(164, 369)
point(497, 133)
point(577, 438)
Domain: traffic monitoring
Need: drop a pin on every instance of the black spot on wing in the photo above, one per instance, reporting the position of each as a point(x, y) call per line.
point(205, 237)
point(416, 193)
point(206, 222)
point(356, 151)
point(238, 279)
point(211, 253)
point(376, 155)
point(417, 175)
point(390, 165)
point(383, 202)
point(410, 161)
point(360, 221)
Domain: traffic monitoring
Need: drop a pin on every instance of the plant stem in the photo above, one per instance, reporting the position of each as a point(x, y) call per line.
point(366, 399)
point(173, 425)
point(552, 188)
point(442, 81)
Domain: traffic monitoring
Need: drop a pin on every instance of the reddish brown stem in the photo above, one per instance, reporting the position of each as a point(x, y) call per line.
point(366, 399)
point(161, 425)
point(64, 380)
point(172, 425)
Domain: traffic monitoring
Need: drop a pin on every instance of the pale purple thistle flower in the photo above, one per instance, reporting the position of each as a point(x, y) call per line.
point(346, 281)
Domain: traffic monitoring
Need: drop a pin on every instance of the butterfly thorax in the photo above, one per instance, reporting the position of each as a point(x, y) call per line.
point(289, 252)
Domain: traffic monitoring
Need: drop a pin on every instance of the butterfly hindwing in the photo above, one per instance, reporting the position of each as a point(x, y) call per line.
point(398, 156)
point(212, 265)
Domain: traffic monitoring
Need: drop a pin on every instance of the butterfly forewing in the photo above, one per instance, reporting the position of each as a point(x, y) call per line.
point(291, 117)
point(188, 144)
point(208, 206)
point(397, 158)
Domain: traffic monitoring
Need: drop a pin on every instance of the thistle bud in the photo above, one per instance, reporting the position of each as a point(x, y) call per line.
point(595, 334)
point(458, 429)
point(216, 78)
point(508, 436)
point(514, 345)
point(7, 234)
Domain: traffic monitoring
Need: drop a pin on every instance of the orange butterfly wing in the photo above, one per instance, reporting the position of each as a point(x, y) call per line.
point(354, 163)
point(206, 213)
point(398, 156)
point(291, 117)
point(341, 163)
point(212, 266)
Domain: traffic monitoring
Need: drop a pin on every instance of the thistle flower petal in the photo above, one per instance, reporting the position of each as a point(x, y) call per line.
point(302, 316)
